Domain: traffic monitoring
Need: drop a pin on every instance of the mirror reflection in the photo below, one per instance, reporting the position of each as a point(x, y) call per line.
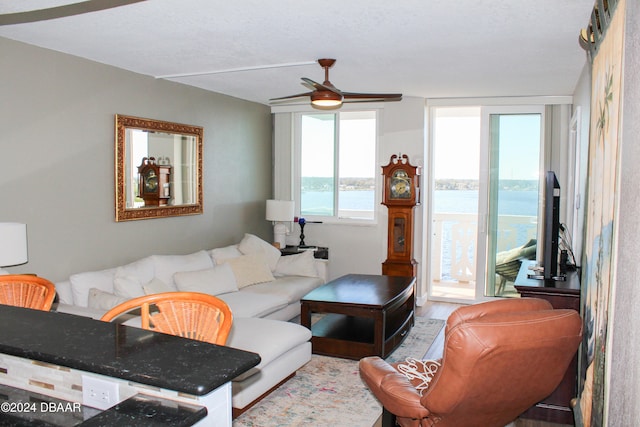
point(158, 168)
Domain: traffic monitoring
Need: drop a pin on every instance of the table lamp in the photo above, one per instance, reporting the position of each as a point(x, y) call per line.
point(13, 245)
point(279, 211)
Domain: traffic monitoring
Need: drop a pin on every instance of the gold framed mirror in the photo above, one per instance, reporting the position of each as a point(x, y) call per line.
point(158, 168)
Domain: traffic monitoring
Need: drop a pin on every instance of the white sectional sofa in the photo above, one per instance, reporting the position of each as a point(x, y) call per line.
point(262, 288)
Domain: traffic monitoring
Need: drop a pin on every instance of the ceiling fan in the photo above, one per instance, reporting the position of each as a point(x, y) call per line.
point(326, 96)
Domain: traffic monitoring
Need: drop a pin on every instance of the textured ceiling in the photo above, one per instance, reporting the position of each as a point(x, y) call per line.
point(424, 48)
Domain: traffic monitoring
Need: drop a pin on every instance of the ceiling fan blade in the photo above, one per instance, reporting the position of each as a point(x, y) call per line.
point(371, 97)
point(309, 84)
point(63, 11)
point(320, 86)
point(300, 95)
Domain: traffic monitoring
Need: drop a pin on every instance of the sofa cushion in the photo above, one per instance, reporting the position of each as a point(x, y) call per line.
point(227, 252)
point(104, 300)
point(291, 288)
point(82, 282)
point(251, 244)
point(250, 269)
point(76, 310)
point(64, 292)
point(302, 264)
point(156, 286)
point(127, 287)
point(129, 278)
point(246, 304)
point(212, 281)
point(269, 338)
point(165, 266)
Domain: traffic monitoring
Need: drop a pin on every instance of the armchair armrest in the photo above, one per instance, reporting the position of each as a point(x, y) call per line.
point(392, 389)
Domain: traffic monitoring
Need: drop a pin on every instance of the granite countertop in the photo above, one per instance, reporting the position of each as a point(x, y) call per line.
point(120, 351)
point(139, 410)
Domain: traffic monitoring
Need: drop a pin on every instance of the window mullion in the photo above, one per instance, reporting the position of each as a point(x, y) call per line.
point(336, 164)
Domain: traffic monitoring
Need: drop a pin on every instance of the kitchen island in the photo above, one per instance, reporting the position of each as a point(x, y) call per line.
point(53, 354)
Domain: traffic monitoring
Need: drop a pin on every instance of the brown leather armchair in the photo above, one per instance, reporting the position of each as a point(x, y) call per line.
point(500, 358)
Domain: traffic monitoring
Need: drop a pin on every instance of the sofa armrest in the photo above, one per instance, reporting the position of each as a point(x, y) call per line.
point(322, 268)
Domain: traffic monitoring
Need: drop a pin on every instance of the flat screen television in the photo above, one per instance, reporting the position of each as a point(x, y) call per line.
point(551, 233)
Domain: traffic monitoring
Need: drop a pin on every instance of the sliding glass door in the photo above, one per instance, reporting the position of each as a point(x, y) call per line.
point(454, 202)
point(513, 195)
point(483, 200)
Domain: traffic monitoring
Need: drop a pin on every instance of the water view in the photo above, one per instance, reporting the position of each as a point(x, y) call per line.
point(445, 201)
point(448, 205)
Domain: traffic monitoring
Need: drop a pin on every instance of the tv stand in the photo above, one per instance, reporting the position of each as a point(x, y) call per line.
point(565, 293)
point(539, 273)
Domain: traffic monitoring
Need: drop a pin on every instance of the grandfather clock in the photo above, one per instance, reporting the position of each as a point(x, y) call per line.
point(154, 179)
point(401, 195)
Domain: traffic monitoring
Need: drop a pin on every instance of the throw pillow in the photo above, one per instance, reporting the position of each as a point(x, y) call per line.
point(250, 269)
point(143, 269)
point(81, 283)
point(226, 252)
point(127, 286)
point(297, 265)
point(156, 286)
point(103, 300)
point(213, 281)
point(168, 265)
point(251, 245)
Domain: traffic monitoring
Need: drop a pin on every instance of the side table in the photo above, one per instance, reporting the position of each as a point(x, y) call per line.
point(556, 407)
point(319, 252)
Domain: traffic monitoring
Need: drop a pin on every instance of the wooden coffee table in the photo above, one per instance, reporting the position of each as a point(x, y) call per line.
point(363, 315)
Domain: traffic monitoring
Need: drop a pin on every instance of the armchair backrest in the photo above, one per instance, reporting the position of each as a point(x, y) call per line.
point(499, 359)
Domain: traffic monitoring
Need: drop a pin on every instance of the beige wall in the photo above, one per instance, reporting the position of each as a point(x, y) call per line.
point(56, 161)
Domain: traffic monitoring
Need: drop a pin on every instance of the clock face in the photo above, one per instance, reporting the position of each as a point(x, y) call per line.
point(400, 185)
point(150, 182)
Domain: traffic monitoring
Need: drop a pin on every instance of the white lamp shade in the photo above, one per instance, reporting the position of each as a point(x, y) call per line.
point(280, 210)
point(13, 244)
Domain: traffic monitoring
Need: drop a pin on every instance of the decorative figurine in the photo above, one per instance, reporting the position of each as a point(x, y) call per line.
point(302, 222)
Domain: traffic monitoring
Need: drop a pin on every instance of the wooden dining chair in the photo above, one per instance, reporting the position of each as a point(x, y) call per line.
point(23, 290)
point(191, 315)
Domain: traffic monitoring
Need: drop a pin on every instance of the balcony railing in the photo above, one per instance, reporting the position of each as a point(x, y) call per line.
point(454, 243)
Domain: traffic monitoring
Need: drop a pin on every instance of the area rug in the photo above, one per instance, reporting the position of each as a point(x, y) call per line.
point(417, 343)
point(328, 391)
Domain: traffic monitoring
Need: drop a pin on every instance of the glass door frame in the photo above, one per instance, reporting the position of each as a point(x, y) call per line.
point(487, 183)
point(520, 106)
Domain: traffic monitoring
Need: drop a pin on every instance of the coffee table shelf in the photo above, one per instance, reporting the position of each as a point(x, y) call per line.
point(363, 315)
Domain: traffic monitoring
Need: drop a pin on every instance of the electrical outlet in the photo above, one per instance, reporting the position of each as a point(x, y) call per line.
point(98, 393)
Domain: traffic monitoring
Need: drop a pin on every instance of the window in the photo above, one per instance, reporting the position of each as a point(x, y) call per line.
point(337, 168)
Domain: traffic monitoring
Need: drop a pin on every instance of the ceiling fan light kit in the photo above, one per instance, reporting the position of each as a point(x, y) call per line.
point(326, 99)
point(325, 96)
